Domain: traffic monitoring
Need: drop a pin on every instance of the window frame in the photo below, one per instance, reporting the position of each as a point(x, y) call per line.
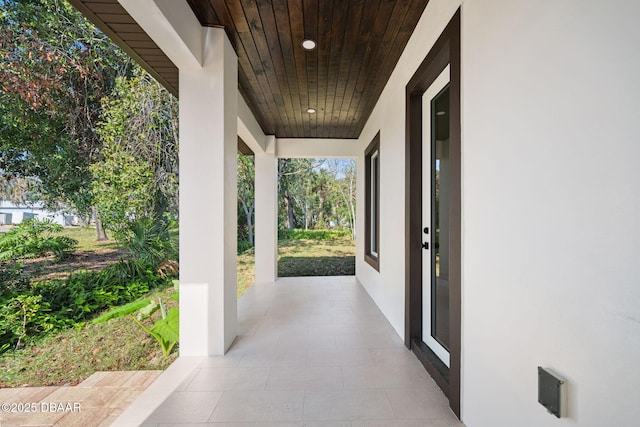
point(372, 203)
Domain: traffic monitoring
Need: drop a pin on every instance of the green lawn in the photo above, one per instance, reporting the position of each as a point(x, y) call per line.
point(316, 257)
point(86, 237)
point(303, 258)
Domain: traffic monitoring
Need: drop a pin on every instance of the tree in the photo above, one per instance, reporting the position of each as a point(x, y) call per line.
point(18, 190)
point(291, 187)
point(56, 67)
point(137, 176)
point(318, 193)
point(246, 193)
point(347, 192)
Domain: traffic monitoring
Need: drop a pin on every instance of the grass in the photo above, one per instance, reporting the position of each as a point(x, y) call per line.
point(86, 237)
point(68, 357)
point(246, 271)
point(90, 255)
point(316, 257)
point(303, 258)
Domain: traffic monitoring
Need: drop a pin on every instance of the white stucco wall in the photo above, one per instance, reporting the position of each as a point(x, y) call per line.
point(550, 127)
point(551, 208)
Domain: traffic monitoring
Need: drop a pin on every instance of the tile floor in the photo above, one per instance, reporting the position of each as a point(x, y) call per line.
point(310, 352)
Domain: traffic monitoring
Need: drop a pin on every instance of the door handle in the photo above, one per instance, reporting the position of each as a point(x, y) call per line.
point(425, 245)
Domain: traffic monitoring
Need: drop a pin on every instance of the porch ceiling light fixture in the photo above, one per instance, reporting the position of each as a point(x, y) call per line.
point(311, 110)
point(308, 44)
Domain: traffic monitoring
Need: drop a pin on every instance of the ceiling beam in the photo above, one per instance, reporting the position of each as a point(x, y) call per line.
point(173, 27)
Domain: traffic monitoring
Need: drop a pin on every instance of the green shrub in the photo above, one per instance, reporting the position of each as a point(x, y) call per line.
point(53, 305)
point(24, 317)
point(243, 246)
point(151, 241)
point(33, 238)
point(12, 275)
point(298, 234)
point(86, 293)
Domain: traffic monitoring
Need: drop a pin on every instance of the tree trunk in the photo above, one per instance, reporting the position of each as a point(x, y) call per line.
point(248, 211)
point(100, 231)
point(250, 225)
point(321, 210)
point(352, 211)
point(289, 205)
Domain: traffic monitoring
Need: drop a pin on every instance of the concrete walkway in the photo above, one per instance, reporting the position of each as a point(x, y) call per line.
point(97, 401)
point(310, 352)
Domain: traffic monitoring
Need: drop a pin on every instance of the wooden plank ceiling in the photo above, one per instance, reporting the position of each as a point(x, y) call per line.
point(359, 43)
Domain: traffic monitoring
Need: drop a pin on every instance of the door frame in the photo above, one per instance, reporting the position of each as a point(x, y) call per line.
point(446, 50)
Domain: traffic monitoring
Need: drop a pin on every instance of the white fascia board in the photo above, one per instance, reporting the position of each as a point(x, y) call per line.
point(249, 129)
point(172, 26)
point(316, 148)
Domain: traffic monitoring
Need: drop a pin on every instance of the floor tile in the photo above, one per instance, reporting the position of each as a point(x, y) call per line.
point(305, 378)
point(261, 406)
point(339, 356)
point(407, 423)
point(393, 376)
point(186, 406)
point(307, 424)
point(393, 356)
point(359, 340)
point(346, 405)
point(221, 379)
point(419, 404)
point(229, 360)
point(276, 356)
point(208, 425)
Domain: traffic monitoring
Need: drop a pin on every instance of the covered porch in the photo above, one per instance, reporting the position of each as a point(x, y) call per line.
point(310, 352)
point(543, 122)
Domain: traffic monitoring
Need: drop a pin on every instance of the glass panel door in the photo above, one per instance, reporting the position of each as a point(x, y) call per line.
point(435, 217)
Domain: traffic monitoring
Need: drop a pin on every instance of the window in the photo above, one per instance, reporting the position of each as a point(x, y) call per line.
point(372, 203)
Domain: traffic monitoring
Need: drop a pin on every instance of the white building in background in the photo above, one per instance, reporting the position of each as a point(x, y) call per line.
point(11, 213)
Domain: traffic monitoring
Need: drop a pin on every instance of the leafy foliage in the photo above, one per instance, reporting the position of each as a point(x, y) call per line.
point(316, 194)
point(64, 303)
point(137, 177)
point(122, 311)
point(56, 66)
point(243, 246)
point(33, 238)
point(70, 356)
point(12, 275)
point(151, 241)
point(18, 190)
point(297, 234)
point(165, 329)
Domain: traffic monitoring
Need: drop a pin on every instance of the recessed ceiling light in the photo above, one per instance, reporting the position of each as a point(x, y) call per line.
point(308, 44)
point(311, 110)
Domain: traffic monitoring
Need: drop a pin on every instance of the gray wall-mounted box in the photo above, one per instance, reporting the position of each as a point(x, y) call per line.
point(552, 392)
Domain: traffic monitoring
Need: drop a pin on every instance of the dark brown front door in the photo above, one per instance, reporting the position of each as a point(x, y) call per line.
point(433, 213)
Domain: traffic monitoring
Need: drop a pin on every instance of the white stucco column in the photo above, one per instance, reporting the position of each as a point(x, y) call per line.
point(208, 191)
point(266, 193)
